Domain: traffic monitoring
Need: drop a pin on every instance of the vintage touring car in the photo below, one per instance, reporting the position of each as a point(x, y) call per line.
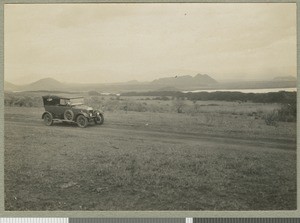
point(69, 110)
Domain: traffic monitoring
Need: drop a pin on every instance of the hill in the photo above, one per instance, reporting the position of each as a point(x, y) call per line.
point(176, 83)
point(49, 84)
point(199, 80)
point(10, 87)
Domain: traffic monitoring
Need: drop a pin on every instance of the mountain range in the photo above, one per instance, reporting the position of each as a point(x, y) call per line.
point(175, 83)
point(198, 80)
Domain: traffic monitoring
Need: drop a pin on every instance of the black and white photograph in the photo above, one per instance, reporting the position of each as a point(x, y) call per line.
point(150, 107)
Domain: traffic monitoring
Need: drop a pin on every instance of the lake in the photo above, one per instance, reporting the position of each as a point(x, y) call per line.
point(261, 90)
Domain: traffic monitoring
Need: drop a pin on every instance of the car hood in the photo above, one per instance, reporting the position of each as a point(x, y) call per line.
point(83, 107)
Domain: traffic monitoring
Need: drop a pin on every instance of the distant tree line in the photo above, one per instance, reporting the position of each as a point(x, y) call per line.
point(22, 101)
point(271, 97)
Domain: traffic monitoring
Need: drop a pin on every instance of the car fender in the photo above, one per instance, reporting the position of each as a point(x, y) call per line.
point(46, 112)
point(82, 113)
point(100, 111)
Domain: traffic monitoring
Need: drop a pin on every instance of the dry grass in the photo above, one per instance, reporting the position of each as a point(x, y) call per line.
point(150, 161)
point(147, 104)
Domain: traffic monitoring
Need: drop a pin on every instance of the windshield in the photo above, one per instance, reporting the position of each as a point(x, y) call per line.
point(64, 101)
point(76, 101)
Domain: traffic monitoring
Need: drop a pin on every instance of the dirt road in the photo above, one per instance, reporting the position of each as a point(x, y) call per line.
point(124, 165)
point(132, 131)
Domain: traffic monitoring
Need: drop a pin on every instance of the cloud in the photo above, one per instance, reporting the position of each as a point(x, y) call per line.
point(119, 42)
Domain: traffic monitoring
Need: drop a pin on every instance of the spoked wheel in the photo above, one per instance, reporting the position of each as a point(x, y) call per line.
point(99, 119)
point(68, 115)
point(48, 119)
point(82, 121)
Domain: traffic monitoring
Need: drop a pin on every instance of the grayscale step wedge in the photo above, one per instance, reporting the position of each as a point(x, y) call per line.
point(246, 220)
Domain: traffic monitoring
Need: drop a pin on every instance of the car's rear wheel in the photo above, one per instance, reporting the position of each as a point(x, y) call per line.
point(99, 119)
point(48, 119)
point(82, 121)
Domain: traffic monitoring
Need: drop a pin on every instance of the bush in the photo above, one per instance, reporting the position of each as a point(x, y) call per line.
point(287, 113)
point(271, 97)
point(93, 93)
point(162, 98)
point(272, 118)
point(179, 104)
point(22, 101)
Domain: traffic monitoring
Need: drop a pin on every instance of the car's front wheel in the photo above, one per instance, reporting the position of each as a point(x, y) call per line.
point(99, 119)
point(82, 121)
point(48, 119)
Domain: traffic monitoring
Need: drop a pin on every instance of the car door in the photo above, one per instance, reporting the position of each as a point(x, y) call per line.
point(58, 109)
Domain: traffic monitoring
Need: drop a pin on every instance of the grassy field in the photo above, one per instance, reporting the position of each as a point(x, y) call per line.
point(219, 158)
point(151, 154)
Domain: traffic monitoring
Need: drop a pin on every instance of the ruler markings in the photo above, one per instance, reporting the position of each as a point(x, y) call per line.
point(150, 220)
point(34, 220)
point(127, 220)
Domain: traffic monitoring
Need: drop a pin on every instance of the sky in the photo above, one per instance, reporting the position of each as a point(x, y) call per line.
point(105, 43)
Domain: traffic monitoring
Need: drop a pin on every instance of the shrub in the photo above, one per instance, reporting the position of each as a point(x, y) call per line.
point(22, 101)
point(162, 98)
point(270, 97)
point(286, 113)
point(272, 118)
point(179, 104)
point(93, 93)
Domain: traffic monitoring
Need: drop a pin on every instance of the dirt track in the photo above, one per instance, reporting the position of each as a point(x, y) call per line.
point(40, 160)
point(115, 128)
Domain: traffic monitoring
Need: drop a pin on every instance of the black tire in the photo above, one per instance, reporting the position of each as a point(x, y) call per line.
point(48, 119)
point(99, 119)
point(81, 121)
point(69, 115)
